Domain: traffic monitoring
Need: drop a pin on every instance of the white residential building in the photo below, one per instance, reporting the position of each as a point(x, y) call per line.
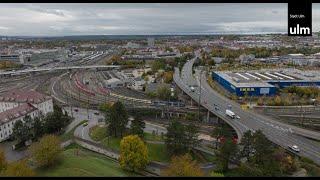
point(17, 104)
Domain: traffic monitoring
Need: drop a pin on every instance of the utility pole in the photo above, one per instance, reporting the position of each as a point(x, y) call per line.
point(70, 103)
point(88, 107)
point(199, 97)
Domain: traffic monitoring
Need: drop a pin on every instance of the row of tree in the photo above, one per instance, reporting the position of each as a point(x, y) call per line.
point(261, 52)
point(308, 92)
point(19, 168)
point(32, 129)
point(255, 155)
point(44, 153)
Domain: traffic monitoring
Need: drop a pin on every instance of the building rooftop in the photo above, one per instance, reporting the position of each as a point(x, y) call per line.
point(261, 78)
point(16, 112)
point(29, 96)
point(113, 80)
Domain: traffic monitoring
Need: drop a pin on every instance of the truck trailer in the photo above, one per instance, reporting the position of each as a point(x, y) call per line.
point(230, 113)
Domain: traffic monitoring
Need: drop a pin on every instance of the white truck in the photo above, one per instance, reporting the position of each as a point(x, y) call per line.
point(230, 113)
point(191, 88)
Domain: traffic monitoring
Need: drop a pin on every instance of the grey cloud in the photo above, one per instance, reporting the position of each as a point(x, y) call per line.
point(77, 19)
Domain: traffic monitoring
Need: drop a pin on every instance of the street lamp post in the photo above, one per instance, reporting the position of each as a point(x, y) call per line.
point(171, 95)
point(199, 96)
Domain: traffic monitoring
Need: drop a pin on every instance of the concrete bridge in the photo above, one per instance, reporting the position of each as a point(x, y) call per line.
point(18, 72)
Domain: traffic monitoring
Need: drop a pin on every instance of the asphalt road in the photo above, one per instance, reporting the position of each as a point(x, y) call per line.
point(281, 134)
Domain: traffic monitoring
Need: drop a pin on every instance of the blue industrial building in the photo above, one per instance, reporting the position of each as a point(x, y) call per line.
point(263, 83)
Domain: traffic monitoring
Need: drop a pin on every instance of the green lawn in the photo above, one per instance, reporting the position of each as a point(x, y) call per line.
point(157, 152)
point(69, 135)
point(151, 137)
point(112, 142)
point(87, 163)
point(98, 133)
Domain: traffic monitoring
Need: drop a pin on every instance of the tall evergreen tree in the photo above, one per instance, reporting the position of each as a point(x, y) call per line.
point(227, 153)
point(246, 145)
point(137, 126)
point(180, 138)
point(175, 139)
point(118, 119)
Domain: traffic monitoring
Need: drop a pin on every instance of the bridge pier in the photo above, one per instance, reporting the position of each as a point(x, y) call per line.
point(162, 114)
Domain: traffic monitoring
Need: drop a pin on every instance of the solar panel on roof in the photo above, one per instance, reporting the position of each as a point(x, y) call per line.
point(277, 77)
point(263, 76)
point(253, 76)
point(284, 75)
point(246, 78)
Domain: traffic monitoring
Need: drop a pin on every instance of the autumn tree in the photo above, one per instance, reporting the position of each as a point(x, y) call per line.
point(183, 166)
point(158, 64)
point(287, 163)
point(19, 168)
point(260, 101)
point(277, 101)
point(133, 153)
point(168, 77)
point(46, 151)
point(3, 161)
point(163, 92)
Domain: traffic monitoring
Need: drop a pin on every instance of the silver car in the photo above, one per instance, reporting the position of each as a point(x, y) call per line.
point(294, 148)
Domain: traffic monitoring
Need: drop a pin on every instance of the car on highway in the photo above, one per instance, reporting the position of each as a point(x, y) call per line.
point(85, 124)
point(191, 88)
point(237, 117)
point(294, 148)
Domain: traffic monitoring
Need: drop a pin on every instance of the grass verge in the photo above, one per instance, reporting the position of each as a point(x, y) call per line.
point(80, 162)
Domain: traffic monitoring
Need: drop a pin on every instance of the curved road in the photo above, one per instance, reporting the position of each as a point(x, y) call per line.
point(279, 133)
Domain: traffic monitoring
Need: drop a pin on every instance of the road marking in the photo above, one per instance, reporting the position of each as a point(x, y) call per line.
point(82, 132)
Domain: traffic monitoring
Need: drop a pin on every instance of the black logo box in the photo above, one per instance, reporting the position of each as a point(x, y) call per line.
point(300, 18)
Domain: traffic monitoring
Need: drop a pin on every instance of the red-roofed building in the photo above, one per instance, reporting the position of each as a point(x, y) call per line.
point(17, 104)
point(10, 117)
point(16, 97)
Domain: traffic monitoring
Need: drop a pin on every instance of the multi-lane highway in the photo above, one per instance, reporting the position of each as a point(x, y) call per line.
point(279, 133)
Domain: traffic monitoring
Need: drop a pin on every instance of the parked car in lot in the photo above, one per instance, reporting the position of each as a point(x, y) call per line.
point(96, 113)
point(76, 110)
point(294, 148)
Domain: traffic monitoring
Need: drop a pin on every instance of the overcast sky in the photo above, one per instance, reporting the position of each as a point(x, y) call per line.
point(157, 18)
